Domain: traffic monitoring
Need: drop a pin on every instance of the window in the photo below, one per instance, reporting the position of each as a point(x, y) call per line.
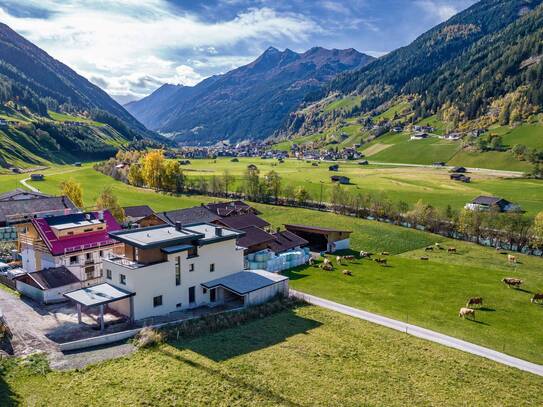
point(108, 274)
point(178, 305)
point(178, 270)
point(87, 230)
point(89, 256)
point(191, 267)
point(73, 260)
point(157, 301)
point(212, 267)
point(213, 295)
point(192, 295)
point(101, 253)
point(204, 290)
point(192, 252)
point(122, 279)
point(70, 233)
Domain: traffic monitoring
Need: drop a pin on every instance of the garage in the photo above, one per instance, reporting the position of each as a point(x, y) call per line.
point(249, 287)
point(322, 239)
point(47, 286)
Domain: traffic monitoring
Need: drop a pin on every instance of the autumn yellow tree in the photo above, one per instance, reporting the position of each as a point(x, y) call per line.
point(135, 176)
point(152, 169)
point(173, 179)
point(108, 201)
point(72, 190)
point(537, 231)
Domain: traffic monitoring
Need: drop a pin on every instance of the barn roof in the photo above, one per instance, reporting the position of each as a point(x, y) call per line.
point(51, 277)
point(286, 240)
point(314, 229)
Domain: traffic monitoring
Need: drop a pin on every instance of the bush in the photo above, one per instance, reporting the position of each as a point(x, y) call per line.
point(148, 337)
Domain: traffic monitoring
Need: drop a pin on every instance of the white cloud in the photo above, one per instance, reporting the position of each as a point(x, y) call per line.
point(437, 9)
point(132, 45)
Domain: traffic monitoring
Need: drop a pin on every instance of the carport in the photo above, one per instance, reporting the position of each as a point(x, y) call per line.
point(251, 287)
point(322, 239)
point(100, 295)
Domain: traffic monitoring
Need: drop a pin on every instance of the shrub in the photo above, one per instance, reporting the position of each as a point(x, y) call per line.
point(148, 337)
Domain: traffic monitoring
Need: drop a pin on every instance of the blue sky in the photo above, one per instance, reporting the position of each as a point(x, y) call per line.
point(131, 47)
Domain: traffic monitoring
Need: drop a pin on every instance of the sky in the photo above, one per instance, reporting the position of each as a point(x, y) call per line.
point(131, 47)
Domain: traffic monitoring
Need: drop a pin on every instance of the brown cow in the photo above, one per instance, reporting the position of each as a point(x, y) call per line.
point(466, 312)
point(327, 267)
point(474, 301)
point(537, 298)
point(350, 257)
point(512, 282)
point(382, 262)
point(429, 249)
point(451, 250)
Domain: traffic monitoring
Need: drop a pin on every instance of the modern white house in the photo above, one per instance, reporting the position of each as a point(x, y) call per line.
point(168, 268)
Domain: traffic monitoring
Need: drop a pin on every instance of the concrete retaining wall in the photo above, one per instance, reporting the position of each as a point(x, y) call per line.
point(98, 340)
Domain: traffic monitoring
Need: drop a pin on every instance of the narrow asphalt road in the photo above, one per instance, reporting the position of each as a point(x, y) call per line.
point(25, 184)
point(423, 333)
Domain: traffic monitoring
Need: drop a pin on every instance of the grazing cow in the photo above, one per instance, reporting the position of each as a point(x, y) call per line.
point(347, 273)
point(474, 301)
point(327, 267)
point(425, 258)
point(511, 258)
point(429, 249)
point(451, 250)
point(466, 312)
point(537, 298)
point(512, 282)
point(311, 261)
point(382, 262)
point(327, 262)
point(339, 259)
point(350, 257)
point(385, 253)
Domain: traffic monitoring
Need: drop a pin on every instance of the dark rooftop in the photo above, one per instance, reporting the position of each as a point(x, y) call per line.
point(231, 208)
point(52, 277)
point(489, 200)
point(286, 240)
point(187, 216)
point(254, 236)
point(21, 194)
point(244, 221)
point(139, 211)
point(21, 209)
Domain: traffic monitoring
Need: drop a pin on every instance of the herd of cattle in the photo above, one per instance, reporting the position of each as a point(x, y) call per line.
point(472, 303)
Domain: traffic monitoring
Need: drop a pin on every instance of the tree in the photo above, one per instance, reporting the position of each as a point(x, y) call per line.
point(252, 182)
point(301, 195)
point(72, 190)
point(519, 151)
point(108, 201)
point(135, 176)
point(536, 239)
point(172, 179)
point(227, 180)
point(273, 184)
point(153, 164)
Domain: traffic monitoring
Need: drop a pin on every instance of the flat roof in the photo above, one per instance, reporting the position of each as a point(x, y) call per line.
point(245, 282)
point(98, 294)
point(155, 236)
point(209, 231)
point(82, 223)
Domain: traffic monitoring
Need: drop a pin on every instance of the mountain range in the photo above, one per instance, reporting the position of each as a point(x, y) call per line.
point(52, 112)
point(250, 102)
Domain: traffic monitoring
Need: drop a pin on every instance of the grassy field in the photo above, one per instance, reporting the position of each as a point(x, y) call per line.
point(432, 185)
point(63, 117)
point(304, 357)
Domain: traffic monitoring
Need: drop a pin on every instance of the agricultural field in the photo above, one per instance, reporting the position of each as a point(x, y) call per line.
point(301, 357)
point(409, 184)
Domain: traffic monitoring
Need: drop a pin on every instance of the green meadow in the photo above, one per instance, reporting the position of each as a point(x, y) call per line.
point(302, 357)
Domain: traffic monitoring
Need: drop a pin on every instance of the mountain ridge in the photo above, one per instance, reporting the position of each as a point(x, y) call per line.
point(223, 106)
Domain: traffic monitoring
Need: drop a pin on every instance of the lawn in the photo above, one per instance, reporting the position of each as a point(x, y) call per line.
point(430, 293)
point(303, 357)
point(496, 160)
point(432, 185)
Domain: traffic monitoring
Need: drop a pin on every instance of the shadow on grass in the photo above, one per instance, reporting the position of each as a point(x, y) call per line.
point(523, 290)
point(487, 309)
point(477, 322)
point(237, 382)
point(296, 273)
point(7, 397)
point(251, 337)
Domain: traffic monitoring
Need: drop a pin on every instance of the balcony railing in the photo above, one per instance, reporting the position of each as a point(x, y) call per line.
point(130, 264)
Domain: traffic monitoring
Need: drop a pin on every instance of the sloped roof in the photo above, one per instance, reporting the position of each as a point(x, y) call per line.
point(314, 229)
point(254, 236)
point(231, 208)
point(245, 282)
point(52, 277)
point(489, 200)
point(139, 211)
point(286, 240)
point(244, 221)
point(20, 193)
point(78, 242)
point(187, 216)
point(28, 208)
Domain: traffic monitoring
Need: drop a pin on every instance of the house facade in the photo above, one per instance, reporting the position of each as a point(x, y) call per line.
point(166, 265)
point(76, 241)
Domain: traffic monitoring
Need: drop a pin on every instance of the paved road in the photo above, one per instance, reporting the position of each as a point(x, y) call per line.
point(423, 333)
point(25, 184)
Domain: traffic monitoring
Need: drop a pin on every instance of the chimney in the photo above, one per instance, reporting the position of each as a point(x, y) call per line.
point(218, 231)
point(178, 226)
point(101, 216)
